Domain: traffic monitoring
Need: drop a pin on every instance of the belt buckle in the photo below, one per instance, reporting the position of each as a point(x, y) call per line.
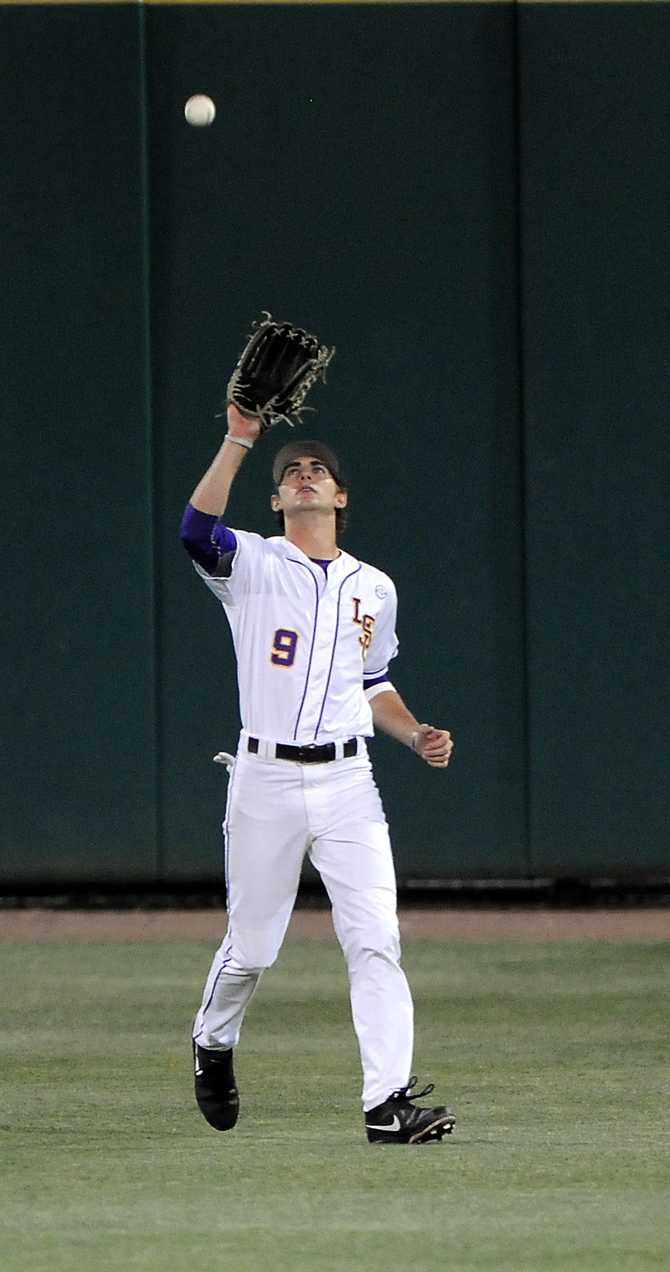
point(304, 757)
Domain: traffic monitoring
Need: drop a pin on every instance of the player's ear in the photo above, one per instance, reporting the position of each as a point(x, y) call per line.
point(274, 503)
point(341, 498)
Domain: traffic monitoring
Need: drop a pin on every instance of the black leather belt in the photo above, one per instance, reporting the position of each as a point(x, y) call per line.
point(307, 754)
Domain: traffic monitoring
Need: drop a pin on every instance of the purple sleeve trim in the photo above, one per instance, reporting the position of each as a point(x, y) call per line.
point(205, 538)
point(224, 538)
point(369, 681)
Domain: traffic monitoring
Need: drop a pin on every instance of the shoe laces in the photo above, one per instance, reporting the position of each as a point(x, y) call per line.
point(408, 1092)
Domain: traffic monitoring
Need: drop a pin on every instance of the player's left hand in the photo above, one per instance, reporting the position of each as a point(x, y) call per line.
point(434, 745)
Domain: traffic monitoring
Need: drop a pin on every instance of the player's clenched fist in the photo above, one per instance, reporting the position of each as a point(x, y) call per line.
point(433, 745)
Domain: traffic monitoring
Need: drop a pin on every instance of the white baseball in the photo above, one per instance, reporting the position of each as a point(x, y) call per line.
point(200, 110)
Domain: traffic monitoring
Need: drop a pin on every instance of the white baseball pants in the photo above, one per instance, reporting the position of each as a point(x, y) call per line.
point(276, 811)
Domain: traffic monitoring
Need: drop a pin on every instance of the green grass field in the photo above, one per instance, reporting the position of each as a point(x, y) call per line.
point(555, 1058)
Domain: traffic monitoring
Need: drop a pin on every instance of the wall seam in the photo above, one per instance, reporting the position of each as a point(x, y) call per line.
point(523, 422)
point(154, 587)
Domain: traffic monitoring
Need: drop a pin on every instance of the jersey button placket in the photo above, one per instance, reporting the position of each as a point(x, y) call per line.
point(323, 644)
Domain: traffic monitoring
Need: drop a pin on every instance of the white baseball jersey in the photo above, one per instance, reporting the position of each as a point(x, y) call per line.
point(304, 638)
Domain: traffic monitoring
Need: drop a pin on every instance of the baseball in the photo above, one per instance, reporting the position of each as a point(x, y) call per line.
point(200, 110)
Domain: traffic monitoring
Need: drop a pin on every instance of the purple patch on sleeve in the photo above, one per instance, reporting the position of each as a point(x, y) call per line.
point(205, 537)
point(369, 681)
point(224, 538)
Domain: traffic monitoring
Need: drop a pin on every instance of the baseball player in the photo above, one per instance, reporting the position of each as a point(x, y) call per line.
point(314, 633)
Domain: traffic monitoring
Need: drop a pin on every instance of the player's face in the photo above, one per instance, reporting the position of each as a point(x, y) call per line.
point(307, 485)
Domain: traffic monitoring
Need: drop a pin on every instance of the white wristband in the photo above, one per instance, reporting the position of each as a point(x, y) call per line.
point(239, 441)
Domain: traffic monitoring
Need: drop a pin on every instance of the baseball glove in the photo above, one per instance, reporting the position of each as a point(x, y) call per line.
point(277, 367)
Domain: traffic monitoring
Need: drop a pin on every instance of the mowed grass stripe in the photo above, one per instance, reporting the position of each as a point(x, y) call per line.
point(555, 1057)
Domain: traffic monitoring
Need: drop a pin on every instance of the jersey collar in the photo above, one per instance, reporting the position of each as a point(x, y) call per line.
point(341, 564)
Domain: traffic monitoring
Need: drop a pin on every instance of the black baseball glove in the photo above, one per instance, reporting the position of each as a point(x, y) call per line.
point(276, 369)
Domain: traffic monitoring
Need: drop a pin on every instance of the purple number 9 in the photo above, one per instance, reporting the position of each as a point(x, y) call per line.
point(283, 650)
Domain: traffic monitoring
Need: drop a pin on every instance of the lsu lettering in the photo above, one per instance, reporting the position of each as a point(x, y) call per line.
point(366, 622)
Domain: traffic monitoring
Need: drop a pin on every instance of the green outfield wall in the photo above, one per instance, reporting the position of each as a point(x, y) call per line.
point(468, 200)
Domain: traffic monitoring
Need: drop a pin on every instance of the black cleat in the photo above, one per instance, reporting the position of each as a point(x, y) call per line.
point(398, 1121)
point(215, 1089)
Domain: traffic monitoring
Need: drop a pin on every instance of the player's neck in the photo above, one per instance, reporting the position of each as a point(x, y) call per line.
point(316, 540)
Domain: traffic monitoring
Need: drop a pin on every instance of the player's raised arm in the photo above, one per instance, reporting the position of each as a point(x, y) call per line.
point(277, 368)
point(212, 491)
